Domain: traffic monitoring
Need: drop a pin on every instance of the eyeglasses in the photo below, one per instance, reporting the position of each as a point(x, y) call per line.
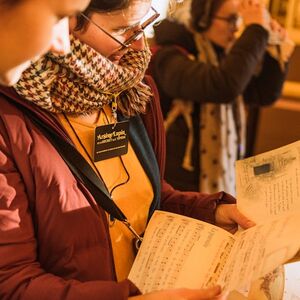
point(233, 20)
point(137, 34)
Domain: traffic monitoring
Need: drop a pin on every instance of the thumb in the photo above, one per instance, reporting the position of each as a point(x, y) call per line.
point(241, 219)
point(210, 292)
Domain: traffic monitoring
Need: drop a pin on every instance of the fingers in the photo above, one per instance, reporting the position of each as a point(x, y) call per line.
point(254, 12)
point(241, 219)
point(278, 29)
point(213, 293)
point(228, 217)
point(210, 292)
point(248, 4)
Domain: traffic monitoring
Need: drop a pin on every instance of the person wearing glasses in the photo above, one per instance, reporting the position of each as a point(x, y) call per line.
point(82, 161)
point(26, 34)
point(206, 77)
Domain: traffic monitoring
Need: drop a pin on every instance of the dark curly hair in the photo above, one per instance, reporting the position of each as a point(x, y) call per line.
point(202, 12)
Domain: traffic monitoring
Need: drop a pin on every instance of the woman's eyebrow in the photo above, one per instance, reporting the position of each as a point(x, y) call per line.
point(128, 27)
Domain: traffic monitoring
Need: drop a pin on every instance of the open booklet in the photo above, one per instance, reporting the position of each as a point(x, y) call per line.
point(268, 184)
point(178, 251)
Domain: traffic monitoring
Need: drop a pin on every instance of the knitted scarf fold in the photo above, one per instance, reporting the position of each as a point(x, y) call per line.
point(222, 131)
point(84, 81)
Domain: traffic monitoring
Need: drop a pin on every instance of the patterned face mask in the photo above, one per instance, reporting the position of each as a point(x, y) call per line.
point(84, 81)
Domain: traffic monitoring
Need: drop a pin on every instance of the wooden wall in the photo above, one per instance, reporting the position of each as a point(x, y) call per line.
point(280, 124)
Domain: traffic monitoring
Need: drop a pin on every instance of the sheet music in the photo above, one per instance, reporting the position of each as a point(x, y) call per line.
point(268, 184)
point(180, 252)
point(261, 249)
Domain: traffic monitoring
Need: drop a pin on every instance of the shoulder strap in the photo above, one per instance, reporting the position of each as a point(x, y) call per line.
point(78, 166)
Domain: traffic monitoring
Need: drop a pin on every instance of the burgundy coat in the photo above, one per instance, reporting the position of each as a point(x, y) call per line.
point(54, 240)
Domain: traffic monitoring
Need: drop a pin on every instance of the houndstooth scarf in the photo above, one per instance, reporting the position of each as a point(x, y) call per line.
point(83, 81)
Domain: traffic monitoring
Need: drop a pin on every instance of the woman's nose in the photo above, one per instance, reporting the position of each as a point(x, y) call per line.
point(60, 42)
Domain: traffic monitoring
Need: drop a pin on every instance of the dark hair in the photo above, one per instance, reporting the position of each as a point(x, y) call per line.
point(9, 3)
point(202, 12)
point(101, 6)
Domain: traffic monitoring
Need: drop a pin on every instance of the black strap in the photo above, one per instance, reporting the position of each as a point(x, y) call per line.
point(78, 166)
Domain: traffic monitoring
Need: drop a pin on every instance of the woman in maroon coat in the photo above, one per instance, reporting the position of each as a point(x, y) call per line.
point(57, 240)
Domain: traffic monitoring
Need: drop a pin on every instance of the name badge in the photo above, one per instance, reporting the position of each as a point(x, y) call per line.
point(111, 140)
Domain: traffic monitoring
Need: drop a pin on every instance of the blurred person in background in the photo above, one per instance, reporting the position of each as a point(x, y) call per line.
point(206, 76)
point(29, 28)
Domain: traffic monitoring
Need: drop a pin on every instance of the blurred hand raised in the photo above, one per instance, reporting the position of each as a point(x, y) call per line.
point(254, 12)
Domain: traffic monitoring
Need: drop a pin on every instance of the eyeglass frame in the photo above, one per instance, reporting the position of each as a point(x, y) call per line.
point(232, 20)
point(135, 36)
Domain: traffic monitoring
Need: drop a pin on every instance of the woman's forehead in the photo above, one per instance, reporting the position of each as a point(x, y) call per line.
point(131, 15)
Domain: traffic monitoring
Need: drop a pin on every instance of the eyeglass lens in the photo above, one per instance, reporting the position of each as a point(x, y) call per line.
point(137, 33)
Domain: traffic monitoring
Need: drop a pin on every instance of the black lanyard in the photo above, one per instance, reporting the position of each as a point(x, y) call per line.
point(81, 169)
